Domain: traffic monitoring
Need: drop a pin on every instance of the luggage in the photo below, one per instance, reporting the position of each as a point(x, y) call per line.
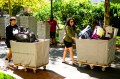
point(85, 33)
point(98, 32)
point(25, 35)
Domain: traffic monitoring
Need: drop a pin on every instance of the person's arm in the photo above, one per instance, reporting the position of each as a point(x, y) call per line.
point(77, 31)
point(8, 33)
point(69, 32)
point(58, 26)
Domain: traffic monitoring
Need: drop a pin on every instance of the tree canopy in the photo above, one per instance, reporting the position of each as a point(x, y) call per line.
point(18, 5)
point(83, 11)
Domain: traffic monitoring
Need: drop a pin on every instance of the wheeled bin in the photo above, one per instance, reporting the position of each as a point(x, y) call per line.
point(95, 52)
point(31, 55)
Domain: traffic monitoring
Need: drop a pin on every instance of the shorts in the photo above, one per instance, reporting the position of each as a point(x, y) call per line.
point(8, 44)
point(67, 44)
point(52, 35)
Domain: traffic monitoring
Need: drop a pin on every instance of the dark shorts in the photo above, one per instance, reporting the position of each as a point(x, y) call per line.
point(67, 44)
point(52, 35)
point(8, 44)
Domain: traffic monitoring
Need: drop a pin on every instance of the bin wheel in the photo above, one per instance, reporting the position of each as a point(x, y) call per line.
point(103, 68)
point(91, 67)
point(44, 67)
point(25, 70)
point(16, 67)
point(80, 64)
point(34, 71)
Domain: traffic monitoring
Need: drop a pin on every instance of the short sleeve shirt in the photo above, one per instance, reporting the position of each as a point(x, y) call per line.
point(53, 24)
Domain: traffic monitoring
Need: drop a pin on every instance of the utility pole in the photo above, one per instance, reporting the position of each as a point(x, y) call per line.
point(107, 13)
point(9, 5)
point(51, 9)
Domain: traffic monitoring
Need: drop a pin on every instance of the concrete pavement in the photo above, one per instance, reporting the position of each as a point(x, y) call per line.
point(58, 70)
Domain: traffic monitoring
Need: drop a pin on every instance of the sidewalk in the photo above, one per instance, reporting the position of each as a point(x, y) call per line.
point(58, 70)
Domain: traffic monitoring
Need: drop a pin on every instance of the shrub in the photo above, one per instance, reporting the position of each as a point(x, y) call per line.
point(83, 12)
point(5, 76)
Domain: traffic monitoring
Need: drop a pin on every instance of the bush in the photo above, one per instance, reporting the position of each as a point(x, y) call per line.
point(43, 14)
point(5, 76)
point(83, 12)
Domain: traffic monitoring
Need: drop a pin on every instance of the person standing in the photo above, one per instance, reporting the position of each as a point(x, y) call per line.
point(69, 39)
point(53, 24)
point(10, 36)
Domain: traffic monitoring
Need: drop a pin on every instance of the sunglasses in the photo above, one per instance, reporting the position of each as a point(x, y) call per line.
point(71, 21)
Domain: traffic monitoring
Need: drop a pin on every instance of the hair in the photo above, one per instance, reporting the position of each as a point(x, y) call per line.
point(68, 22)
point(11, 19)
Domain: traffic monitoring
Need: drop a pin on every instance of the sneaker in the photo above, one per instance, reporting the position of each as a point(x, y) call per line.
point(6, 63)
point(10, 62)
point(6, 58)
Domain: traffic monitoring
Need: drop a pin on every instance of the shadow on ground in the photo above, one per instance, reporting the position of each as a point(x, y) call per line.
point(58, 70)
point(109, 73)
point(48, 74)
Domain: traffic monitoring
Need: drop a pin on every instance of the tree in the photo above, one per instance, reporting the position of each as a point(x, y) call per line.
point(9, 5)
point(116, 1)
point(17, 5)
point(107, 13)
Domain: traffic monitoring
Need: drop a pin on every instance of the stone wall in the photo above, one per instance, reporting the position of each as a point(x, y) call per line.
point(28, 21)
point(18, 21)
point(61, 35)
point(43, 30)
point(2, 27)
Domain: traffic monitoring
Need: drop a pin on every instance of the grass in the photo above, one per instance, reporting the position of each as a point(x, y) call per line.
point(5, 76)
point(118, 40)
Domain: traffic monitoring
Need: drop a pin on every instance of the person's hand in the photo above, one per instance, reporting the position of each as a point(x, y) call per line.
point(74, 38)
point(59, 29)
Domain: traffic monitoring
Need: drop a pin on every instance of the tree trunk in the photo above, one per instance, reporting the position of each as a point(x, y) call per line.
point(107, 13)
point(1, 13)
point(9, 5)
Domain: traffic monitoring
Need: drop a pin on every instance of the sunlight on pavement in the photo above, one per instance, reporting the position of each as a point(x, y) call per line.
point(55, 64)
point(68, 71)
point(4, 69)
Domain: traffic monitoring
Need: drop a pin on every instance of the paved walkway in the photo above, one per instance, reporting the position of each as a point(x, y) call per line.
point(58, 70)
